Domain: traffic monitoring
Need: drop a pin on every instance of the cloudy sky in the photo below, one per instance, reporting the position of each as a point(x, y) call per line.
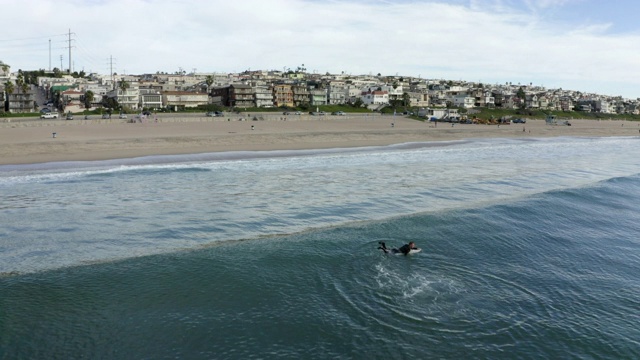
point(586, 45)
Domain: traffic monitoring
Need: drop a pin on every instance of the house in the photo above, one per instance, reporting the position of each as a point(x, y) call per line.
point(5, 72)
point(395, 91)
point(183, 99)
point(72, 100)
point(375, 97)
point(150, 98)
point(318, 96)
point(531, 101)
point(418, 99)
point(464, 101)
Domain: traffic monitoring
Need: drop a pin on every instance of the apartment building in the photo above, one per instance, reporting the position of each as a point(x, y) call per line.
point(282, 95)
point(262, 95)
point(300, 94)
point(241, 95)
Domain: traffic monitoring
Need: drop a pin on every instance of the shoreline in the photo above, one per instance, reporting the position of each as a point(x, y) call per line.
point(33, 141)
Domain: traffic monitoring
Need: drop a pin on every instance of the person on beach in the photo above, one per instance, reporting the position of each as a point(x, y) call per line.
point(405, 249)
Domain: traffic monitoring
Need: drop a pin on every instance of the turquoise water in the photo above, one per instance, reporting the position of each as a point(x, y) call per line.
point(531, 250)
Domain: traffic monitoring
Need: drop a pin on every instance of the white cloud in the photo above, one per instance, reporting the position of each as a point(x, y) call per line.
point(494, 41)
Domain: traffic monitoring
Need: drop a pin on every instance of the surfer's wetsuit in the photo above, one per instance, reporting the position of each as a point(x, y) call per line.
point(405, 249)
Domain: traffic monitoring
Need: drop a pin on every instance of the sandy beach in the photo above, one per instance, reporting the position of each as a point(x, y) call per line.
point(33, 141)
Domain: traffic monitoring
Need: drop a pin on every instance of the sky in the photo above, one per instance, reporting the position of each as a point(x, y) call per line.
point(591, 46)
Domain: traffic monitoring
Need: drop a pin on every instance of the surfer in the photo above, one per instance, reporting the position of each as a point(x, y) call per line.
point(405, 249)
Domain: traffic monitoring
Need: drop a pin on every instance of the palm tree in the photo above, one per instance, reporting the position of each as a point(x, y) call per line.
point(21, 86)
point(209, 81)
point(123, 86)
point(8, 88)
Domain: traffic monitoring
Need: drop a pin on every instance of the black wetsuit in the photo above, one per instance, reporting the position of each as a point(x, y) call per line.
point(405, 249)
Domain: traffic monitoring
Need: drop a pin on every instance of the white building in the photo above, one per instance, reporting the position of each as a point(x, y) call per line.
point(375, 97)
point(263, 96)
point(464, 101)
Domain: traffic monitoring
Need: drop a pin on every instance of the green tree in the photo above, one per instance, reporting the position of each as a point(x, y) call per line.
point(406, 99)
point(89, 96)
point(110, 103)
point(520, 94)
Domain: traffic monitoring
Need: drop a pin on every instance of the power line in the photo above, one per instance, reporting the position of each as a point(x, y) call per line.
point(32, 38)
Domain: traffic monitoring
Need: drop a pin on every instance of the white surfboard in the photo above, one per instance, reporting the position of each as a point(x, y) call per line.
point(412, 251)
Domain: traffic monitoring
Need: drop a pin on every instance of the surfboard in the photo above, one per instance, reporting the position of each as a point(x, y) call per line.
point(412, 251)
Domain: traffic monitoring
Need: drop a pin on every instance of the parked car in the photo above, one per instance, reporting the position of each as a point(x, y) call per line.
point(518, 121)
point(218, 113)
point(338, 113)
point(123, 116)
point(69, 116)
point(286, 113)
point(210, 114)
point(146, 113)
point(105, 116)
point(45, 110)
point(297, 113)
point(49, 115)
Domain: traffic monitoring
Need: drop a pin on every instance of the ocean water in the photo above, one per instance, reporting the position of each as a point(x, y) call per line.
point(530, 251)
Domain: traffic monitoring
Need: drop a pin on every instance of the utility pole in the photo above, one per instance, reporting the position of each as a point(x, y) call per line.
point(70, 69)
point(49, 55)
point(112, 79)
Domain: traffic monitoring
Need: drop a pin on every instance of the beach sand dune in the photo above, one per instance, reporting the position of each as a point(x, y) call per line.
point(33, 141)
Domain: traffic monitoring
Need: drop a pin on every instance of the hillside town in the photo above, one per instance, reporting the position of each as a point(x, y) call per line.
point(289, 88)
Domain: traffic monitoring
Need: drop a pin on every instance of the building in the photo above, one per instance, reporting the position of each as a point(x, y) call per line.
point(150, 98)
point(300, 94)
point(262, 95)
point(337, 93)
point(464, 101)
point(318, 97)
point(375, 97)
point(241, 96)
point(282, 95)
point(20, 101)
point(128, 98)
point(72, 100)
point(183, 99)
